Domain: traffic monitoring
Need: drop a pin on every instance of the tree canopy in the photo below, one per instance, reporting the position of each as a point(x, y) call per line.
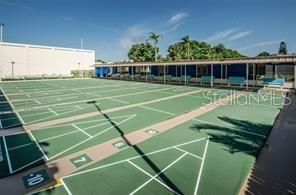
point(200, 50)
point(264, 53)
point(142, 52)
point(283, 48)
point(154, 38)
point(185, 49)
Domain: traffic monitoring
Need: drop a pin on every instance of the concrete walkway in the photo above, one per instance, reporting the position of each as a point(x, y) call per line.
point(274, 172)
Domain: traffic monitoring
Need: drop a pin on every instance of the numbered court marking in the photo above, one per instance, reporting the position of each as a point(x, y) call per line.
point(35, 178)
point(80, 160)
point(120, 144)
point(152, 132)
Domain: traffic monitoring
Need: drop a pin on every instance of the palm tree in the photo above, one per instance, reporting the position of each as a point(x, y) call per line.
point(283, 48)
point(186, 43)
point(154, 38)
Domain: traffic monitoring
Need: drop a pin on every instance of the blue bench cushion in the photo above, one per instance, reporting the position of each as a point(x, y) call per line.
point(236, 80)
point(207, 79)
point(273, 81)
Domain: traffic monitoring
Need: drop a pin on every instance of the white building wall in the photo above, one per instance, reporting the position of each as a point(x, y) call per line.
point(37, 59)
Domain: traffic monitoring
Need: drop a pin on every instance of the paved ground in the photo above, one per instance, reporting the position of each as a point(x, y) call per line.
point(275, 169)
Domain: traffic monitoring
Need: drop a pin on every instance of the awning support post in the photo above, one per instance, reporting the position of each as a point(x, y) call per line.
point(212, 80)
point(295, 76)
point(163, 74)
point(254, 74)
point(185, 82)
point(132, 73)
point(221, 76)
point(247, 75)
point(146, 72)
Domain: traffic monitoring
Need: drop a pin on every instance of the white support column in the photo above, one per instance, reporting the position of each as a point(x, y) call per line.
point(181, 73)
point(254, 75)
point(132, 73)
point(196, 72)
point(163, 74)
point(212, 80)
point(295, 76)
point(146, 70)
point(221, 77)
point(185, 75)
point(247, 75)
point(226, 66)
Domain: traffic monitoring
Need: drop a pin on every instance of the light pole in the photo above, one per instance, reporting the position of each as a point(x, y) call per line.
point(1, 42)
point(12, 68)
point(1, 32)
point(81, 42)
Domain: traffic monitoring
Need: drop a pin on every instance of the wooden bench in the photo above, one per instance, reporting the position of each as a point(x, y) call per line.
point(236, 81)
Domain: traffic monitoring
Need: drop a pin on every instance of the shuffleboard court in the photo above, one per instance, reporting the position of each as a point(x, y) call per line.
point(209, 154)
point(172, 161)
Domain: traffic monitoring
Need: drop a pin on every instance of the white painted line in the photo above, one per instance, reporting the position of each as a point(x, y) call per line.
point(81, 130)
point(89, 93)
point(36, 101)
point(201, 167)
point(115, 96)
point(116, 100)
point(154, 178)
point(7, 155)
point(66, 187)
point(83, 122)
point(135, 157)
point(157, 110)
point(52, 116)
point(52, 111)
point(57, 136)
point(148, 181)
point(1, 127)
point(28, 164)
point(40, 148)
point(78, 144)
point(19, 146)
point(231, 128)
point(20, 118)
point(189, 153)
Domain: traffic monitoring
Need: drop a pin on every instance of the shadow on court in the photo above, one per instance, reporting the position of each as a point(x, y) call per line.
point(238, 137)
point(152, 165)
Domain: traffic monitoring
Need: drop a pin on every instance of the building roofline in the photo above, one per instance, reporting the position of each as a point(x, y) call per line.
point(280, 59)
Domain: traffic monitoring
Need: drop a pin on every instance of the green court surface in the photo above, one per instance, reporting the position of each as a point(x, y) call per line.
point(210, 154)
point(172, 161)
